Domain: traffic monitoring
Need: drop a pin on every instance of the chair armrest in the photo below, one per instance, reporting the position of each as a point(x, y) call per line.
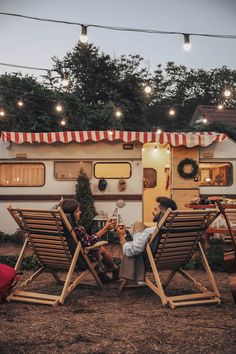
point(96, 246)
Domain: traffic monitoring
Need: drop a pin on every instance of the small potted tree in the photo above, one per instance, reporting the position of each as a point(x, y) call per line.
point(85, 198)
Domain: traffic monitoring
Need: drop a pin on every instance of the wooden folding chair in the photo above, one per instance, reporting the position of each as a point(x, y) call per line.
point(230, 214)
point(50, 236)
point(171, 247)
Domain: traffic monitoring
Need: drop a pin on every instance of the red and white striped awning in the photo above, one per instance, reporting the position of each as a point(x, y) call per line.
point(174, 139)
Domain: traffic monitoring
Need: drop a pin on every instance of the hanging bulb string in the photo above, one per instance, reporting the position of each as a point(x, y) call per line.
point(26, 67)
point(125, 29)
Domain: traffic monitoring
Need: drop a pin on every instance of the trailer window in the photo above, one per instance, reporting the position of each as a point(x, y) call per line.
point(112, 170)
point(22, 174)
point(216, 174)
point(149, 178)
point(70, 170)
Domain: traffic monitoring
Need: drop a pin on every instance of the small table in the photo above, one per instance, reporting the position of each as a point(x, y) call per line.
point(216, 230)
point(211, 230)
point(209, 206)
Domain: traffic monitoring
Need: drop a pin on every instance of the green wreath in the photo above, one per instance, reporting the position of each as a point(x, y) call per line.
point(181, 166)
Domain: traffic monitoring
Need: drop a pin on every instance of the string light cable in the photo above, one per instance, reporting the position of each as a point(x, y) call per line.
point(125, 29)
point(26, 67)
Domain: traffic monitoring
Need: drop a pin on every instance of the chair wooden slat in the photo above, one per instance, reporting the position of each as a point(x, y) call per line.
point(47, 233)
point(175, 241)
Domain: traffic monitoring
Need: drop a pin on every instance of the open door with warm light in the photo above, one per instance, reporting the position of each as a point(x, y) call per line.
point(156, 176)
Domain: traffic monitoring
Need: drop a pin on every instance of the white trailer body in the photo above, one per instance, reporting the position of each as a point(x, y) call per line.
point(144, 154)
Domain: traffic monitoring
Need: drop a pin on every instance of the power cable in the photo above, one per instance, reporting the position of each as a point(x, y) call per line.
point(126, 29)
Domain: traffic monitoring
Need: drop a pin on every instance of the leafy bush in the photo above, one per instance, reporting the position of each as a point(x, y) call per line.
point(17, 237)
point(214, 255)
point(28, 263)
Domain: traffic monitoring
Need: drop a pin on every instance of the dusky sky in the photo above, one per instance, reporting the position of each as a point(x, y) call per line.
point(33, 43)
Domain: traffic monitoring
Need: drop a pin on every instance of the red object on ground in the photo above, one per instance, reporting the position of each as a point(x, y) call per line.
point(8, 279)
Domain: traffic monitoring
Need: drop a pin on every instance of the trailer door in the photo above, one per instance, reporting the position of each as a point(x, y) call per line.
point(184, 190)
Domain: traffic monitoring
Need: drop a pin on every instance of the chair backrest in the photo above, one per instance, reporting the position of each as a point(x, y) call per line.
point(231, 216)
point(47, 232)
point(178, 235)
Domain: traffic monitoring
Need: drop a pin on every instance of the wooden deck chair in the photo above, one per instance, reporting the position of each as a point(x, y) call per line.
point(230, 256)
point(51, 238)
point(171, 247)
point(230, 214)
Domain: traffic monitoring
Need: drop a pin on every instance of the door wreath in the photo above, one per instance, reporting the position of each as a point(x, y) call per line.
point(181, 166)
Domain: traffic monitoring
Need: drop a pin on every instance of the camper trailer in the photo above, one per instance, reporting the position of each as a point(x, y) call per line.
point(38, 169)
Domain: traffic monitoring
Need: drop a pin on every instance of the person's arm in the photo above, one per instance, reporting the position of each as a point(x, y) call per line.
point(137, 246)
point(121, 234)
point(86, 239)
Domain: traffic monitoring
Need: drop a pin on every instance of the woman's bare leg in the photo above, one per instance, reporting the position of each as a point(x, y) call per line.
point(107, 258)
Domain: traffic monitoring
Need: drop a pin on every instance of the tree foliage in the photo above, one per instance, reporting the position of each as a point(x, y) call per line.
point(99, 84)
point(85, 198)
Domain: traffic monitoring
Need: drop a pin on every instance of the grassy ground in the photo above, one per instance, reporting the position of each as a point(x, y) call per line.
point(96, 321)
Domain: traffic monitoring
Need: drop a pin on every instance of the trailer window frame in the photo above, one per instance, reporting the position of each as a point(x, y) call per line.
point(24, 185)
point(90, 162)
point(209, 174)
point(112, 163)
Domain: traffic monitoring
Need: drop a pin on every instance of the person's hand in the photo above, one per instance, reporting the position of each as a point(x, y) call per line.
point(120, 230)
point(110, 224)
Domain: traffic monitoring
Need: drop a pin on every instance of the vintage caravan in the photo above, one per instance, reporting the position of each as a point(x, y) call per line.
point(37, 169)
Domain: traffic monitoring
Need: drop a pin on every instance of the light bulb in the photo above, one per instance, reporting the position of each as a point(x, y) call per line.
point(110, 132)
point(58, 107)
point(227, 93)
point(63, 122)
point(168, 150)
point(171, 112)
point(118, 113)
point(83, 36)
point(187, 44)
point(2, 113)
point(20, 103)
point(220, 106)
point(204, 120)
point(147, 89)
point(158, 131)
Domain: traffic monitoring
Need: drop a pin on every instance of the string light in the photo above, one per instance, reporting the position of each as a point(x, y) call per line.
point(159, 131)
point(220, 106)
point(172, 112)
point(20, 103)
point(63, 122)
point(110, 132)
point(124, 29)
point(83, 36)
point(204, 120)
point(147, 89)
point(2, 113)
point(118, 113)
point(59, 107)
point(187, 44)
point(168, 150)
point(227, 93)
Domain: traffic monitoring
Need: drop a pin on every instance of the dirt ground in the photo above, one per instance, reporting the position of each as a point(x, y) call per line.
point(104, 321)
